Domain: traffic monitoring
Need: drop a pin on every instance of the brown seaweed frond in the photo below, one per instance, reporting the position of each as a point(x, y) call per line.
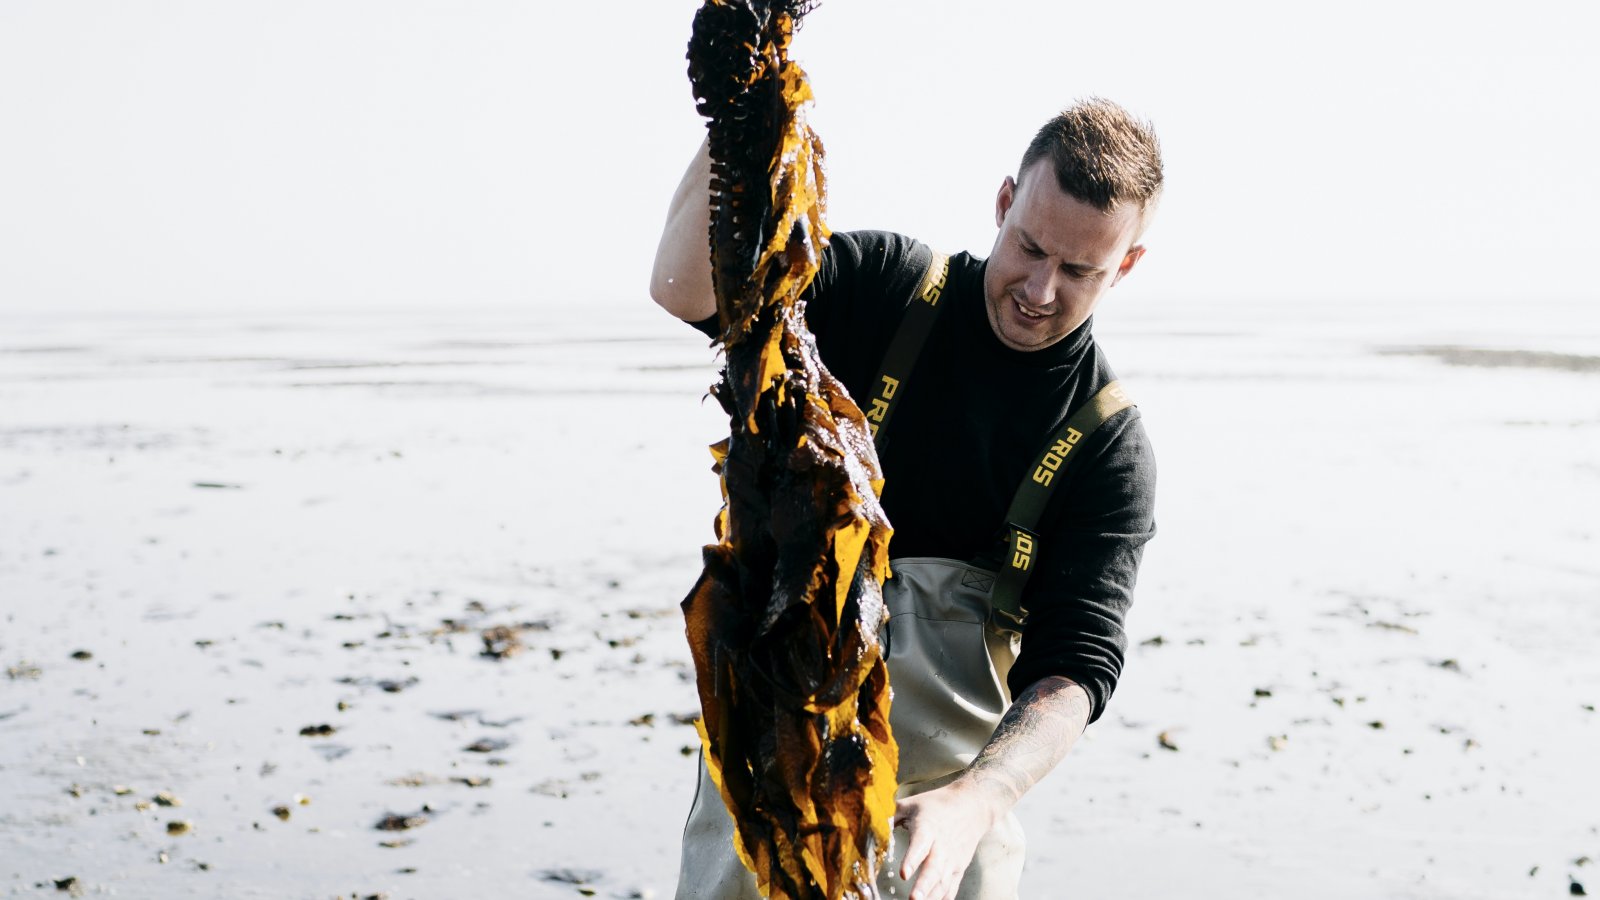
point(784, 622)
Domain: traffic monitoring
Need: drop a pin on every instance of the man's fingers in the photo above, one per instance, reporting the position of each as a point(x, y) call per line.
point(917, 843)
point(917, 848)
point(930, 881)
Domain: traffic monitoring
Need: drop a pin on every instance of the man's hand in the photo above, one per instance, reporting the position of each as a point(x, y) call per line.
point(946, 823)
point(945, 826)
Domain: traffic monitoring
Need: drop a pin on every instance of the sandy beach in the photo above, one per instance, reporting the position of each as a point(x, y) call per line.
point(326, 605)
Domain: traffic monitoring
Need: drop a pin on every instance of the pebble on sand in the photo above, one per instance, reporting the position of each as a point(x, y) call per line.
point(402, 821)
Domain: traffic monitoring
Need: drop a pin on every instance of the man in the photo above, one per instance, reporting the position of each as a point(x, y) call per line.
point(1008, 361)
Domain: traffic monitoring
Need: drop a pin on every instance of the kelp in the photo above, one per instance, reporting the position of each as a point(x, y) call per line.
point(783, 623)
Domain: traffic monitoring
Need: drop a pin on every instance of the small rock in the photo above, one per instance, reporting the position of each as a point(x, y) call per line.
point(1278, 741)
point(167, 799)
point(1166, 741)
point(572, 876)
point(322, 730)
point(487, 745)
point(1263, 692)
point(401, 822)
point(473, 781)
point(1375, 725)
point(648, 719)
point(121, 790)
point(282, 812)
point(501, 642)
point(70, 883)
point(1576, 889)
point(82, 655)
point(179, 826)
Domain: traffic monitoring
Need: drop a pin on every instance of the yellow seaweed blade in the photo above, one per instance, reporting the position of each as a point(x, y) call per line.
point(884, 753)
point(848, 542)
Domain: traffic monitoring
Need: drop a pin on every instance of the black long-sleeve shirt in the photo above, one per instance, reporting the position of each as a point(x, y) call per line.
point(974, 416)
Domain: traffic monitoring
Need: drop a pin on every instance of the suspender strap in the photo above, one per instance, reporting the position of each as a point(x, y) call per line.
point(1027, 507)
point(907, 343)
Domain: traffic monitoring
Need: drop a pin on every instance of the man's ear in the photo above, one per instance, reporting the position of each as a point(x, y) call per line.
point(1002, 202)
point(1134, 254)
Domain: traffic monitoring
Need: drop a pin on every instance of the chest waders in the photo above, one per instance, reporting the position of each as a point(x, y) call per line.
point(952, 635)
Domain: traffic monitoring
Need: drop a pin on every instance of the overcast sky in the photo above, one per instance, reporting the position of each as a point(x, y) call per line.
point(355, 154)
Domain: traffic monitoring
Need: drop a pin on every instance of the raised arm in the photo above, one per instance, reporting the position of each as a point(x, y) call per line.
point(681, 280)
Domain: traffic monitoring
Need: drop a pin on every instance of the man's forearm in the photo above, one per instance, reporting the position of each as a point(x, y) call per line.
point(1042, 724)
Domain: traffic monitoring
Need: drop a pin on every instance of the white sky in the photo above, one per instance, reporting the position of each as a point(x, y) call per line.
point(350, 154)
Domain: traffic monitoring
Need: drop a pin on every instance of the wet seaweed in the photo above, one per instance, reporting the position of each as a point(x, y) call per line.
point(783, 623)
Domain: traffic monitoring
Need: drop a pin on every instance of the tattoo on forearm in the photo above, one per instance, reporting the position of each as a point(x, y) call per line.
point(1035, 733)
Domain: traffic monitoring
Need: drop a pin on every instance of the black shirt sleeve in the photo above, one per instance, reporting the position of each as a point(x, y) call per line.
point(709, 326)
point(1088, 565)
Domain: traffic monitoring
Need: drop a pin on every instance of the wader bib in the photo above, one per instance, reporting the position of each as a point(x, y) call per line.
point(952, 635)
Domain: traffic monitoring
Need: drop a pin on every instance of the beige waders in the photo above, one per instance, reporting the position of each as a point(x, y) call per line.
point(947, 668)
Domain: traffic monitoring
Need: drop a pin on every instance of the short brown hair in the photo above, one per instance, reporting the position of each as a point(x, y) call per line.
point(1102, 155)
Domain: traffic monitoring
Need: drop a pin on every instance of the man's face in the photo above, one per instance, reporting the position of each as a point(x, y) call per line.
point(1054, 258)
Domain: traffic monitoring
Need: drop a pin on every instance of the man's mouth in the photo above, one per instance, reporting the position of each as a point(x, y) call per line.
point(1026, 313)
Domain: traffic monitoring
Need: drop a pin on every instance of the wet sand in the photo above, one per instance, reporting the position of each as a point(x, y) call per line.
point(309, 575)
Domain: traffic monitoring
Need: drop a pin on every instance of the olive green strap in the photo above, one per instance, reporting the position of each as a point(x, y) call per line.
point(907, 343)
point(1027, 507)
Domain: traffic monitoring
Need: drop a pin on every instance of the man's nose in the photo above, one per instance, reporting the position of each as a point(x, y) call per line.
point(1039, 289)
